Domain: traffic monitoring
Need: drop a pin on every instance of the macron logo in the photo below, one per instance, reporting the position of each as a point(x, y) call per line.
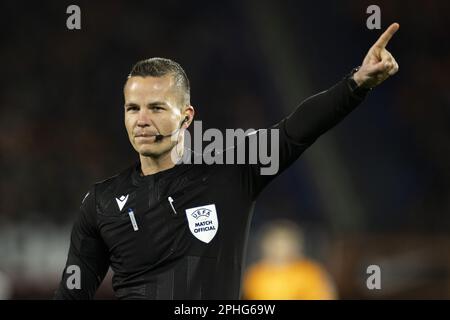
point(121, 201)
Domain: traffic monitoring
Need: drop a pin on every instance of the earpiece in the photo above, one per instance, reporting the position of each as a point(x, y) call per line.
point(161, 136)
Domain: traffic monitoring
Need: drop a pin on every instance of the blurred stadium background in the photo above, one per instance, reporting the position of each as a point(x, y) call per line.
point(375, 190)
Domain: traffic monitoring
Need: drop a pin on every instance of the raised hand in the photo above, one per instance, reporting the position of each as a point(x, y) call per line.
point(379, 64)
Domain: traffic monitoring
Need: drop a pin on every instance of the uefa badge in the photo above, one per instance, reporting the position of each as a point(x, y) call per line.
point(203, 222)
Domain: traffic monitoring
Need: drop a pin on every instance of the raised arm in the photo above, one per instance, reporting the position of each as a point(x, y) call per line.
point(321, 112)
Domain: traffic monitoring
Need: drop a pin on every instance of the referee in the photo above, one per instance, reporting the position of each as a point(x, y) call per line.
point(172, 230)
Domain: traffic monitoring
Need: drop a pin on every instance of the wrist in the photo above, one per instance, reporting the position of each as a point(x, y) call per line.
point(358, 79)
point(355, 82)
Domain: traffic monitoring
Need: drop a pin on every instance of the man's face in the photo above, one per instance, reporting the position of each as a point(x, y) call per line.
point(152, 107)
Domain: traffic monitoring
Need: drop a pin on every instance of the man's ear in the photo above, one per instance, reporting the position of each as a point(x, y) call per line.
point(189, 114)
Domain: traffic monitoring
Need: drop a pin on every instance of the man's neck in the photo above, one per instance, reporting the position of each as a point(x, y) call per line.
point(152, 165)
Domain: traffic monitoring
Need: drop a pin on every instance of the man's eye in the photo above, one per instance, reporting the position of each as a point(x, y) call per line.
point(132, 108)
point(156, 108)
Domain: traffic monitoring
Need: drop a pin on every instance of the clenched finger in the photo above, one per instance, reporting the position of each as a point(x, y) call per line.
point(394, 68)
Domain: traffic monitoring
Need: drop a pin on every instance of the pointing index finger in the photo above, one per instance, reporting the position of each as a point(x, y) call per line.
point(386, 36)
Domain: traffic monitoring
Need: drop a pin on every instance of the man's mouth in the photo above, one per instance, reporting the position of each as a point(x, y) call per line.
point(145, 135)
point(145, 138)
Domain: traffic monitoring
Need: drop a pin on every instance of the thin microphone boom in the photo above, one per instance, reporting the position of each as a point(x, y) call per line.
point(159, 137)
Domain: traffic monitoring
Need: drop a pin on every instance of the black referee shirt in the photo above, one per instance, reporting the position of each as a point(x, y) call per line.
point(182, 233)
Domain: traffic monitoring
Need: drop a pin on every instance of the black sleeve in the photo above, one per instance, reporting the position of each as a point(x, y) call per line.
point(313, 117)
point(87, 253)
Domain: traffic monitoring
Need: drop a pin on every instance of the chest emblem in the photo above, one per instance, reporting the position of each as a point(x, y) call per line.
point(203, 222)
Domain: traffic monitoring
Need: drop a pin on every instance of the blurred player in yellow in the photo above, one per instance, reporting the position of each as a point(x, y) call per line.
point(284, 273)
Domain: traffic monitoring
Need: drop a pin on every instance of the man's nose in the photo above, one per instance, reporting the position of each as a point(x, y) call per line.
point(144, 118)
